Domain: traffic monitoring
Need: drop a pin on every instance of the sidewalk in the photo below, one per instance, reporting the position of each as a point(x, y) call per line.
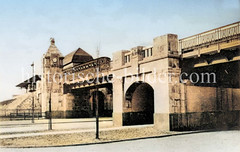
point(73, 132)
point(45, 121)
point(81, 136)
point(61, 132)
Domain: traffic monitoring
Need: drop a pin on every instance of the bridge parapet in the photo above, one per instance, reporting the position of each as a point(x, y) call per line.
point(189, 45)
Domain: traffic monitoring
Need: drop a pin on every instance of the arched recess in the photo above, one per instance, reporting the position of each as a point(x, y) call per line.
point(100, 96)
point(138, 104)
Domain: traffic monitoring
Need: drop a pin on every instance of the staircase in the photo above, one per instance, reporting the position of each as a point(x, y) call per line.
point(20, 104)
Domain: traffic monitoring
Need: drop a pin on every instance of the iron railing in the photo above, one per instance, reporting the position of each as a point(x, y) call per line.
point(209, 36)
point(26, 115)
point(7, 112)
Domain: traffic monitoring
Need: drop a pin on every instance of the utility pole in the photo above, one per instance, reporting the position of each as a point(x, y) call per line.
point(32, 90)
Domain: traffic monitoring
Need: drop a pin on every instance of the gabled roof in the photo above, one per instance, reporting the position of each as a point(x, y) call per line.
point(77, 56)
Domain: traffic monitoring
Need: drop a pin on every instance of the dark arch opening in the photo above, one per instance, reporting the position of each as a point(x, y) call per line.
point(139, 104)
point(100, 96)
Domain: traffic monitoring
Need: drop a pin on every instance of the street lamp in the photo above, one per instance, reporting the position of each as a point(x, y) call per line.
point(50, 113)
point(96, 101)
point(50, 106)
point(32, 90)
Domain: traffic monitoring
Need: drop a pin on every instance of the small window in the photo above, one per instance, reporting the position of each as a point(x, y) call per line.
point(143, 53)
point(125, 59)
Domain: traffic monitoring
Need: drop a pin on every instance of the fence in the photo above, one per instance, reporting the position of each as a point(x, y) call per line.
point(20, 113)
point(26, 115)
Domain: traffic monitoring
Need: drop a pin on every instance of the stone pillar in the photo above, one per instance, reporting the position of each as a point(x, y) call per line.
point(117, 71)
point(117, 102)
point(165, 48)
point(161, 105)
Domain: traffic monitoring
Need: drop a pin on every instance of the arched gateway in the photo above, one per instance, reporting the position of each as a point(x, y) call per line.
point(141, 83)
point(138, 104)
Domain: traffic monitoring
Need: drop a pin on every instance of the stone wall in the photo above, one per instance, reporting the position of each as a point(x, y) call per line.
point(207, 108)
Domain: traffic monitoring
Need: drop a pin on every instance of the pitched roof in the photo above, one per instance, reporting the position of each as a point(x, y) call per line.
point(25, 83)
point(77, 56)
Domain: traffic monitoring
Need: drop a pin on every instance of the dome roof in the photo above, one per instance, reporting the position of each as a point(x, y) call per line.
point(77, 56)
point(53, 49)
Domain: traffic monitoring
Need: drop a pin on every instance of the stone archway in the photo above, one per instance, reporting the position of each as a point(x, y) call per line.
point(139, 104)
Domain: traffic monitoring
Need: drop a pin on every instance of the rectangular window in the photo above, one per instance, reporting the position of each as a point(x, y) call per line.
point(143, 53)
point(128, 58)
point(125, 59)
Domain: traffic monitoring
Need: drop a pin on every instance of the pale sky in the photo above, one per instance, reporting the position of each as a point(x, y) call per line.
point(27, 25)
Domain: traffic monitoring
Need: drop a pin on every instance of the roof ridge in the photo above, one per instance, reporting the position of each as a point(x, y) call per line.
point(78, 52)
point(82, 51)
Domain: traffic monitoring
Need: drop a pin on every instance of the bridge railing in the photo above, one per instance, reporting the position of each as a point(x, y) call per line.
point(209, 36)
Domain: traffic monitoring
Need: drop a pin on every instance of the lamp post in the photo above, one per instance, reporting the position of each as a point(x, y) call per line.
point(97, 112)
point(32, 90)
point(50, 113)
point(50, 106)
point(97, 97)
point(97, 121)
